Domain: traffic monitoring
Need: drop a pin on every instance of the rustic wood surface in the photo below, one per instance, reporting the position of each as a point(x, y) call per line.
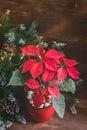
point(70, 122)
point(61, 21)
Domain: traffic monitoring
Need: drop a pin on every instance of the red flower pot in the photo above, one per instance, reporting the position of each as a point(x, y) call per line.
point(40, 114)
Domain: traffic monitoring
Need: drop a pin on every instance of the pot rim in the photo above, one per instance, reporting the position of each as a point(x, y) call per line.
point(39, 108)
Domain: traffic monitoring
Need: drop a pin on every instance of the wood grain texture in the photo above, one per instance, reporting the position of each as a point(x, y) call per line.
point(69, 122)
point(61, 21)
point(57, 20)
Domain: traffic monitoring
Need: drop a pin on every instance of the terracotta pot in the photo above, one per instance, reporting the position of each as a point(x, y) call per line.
point(40, 114)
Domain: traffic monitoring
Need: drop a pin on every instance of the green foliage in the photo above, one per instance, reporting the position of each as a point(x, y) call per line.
point(69, 86)
point(59, 105)
point(15, 34)
point(17, 79)
point(4, 124)
point(19, 34)
point(5, 71)
point(32, 30)
point(57, 46)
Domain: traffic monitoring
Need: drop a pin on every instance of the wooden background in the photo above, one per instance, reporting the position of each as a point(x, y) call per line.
point(61, 21)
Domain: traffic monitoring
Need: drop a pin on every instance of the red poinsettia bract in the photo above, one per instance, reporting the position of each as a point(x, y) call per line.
point(28, 64)
point(29, 50)
point(47, 67)
point(54, 91)
point(32, 84)
point(68, 70)
point(38, 99)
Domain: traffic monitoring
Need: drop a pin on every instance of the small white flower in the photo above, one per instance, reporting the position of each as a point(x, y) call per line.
point(22, 27)
point(29, 97)
point(30, 92)
point(8, 11)
point(50, 96)
point(42, 105)
point(47, 104)
point(21, 41)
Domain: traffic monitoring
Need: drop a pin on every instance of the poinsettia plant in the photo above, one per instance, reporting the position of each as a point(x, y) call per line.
point(40, 67)
point(48, 75)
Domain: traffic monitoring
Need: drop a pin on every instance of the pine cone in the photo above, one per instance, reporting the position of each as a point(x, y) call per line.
point(9, 46)
point(12, 107)
point(2, 104)
point(9, 107)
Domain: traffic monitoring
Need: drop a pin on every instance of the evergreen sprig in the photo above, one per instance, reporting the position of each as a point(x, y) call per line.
point(20, 35)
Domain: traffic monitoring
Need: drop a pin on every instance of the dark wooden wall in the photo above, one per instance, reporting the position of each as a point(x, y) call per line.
point(58, 20)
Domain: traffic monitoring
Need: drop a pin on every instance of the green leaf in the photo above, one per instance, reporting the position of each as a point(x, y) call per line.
point(32, 29)
point(73, 109)
point(6, 92)
point(6, 35)
point(59, 105)
point(16, 79)
point(69, 86)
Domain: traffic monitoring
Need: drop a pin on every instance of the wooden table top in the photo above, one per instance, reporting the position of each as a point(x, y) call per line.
point(70, 122)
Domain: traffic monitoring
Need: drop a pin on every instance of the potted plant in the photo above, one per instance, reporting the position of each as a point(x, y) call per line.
point(47, 76)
